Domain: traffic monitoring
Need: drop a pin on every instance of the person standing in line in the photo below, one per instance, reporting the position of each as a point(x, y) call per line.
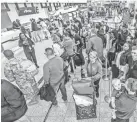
point(28, 47)
point(35, 35)
point(15, 72)
point(132, 72)
point(26, 31)
point(79, 45)
point(54, 36)
point(68, 46)
point(94, 70)
point(95, 43)
point(53, 72)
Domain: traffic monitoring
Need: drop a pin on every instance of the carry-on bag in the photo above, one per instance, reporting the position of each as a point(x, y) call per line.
point(85, 107)
point(83, 87)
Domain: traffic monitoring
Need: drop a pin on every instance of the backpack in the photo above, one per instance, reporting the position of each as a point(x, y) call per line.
point(77, 60)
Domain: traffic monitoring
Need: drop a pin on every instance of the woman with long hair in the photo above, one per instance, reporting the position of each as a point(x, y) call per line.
point(28, 47)
point(123, 59)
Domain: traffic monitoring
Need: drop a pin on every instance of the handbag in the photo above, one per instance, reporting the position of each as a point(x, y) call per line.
point(47, 93)
point(83, 87)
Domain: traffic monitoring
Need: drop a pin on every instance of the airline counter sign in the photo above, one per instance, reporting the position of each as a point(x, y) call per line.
point(27, 11)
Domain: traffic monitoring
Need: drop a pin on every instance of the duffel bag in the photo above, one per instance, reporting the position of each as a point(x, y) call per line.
point(47, 93)
point(83, 87)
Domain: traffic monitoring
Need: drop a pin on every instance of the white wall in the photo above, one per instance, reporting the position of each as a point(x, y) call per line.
point(24, 19)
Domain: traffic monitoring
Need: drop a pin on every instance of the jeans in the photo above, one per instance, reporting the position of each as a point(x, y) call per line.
point(31, 56)
point(63, 91)
point(71, 66)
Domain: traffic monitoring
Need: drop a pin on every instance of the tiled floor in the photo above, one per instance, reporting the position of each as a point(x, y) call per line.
point(66, 112)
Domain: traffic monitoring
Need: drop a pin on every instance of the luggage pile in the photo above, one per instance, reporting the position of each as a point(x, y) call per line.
point(84, 97)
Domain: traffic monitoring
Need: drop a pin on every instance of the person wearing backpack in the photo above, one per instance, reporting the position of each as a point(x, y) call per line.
point(79, 45)
point(22, 72)
point(68, 46)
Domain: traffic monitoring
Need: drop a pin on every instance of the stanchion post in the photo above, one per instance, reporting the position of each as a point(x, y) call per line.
point(105, 77)
point(73, 65)
point(110, 85)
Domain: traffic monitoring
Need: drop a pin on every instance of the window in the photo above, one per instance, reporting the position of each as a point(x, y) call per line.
point(25, 5)
point(29, 5)
point(32, 4)
point(4, 6)
point(17, 6)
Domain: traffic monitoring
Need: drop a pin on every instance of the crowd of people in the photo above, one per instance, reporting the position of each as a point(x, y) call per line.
point(78, 42)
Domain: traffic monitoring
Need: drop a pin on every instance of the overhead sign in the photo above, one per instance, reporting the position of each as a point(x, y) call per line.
point(27, 11)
